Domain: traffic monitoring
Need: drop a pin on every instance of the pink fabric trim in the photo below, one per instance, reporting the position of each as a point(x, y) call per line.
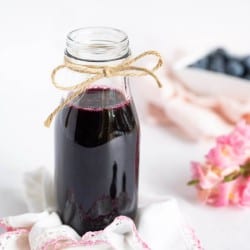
point(54, 243)
point(88, 239)
point(139, 239)
point(195, 240)
point(11, 235)
point(14, 232)
point(88, 243)
point(5, 225)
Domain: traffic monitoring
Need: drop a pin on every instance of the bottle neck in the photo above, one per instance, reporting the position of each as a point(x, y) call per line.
point(100, 46)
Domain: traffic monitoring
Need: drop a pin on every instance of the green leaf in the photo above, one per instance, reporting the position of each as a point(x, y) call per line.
point(193, 182)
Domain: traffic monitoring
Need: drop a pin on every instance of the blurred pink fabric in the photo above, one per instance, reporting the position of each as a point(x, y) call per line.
point(184, 112)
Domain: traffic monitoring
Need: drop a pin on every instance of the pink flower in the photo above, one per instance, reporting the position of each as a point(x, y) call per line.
point(221, 156)
point(222, 194)
point(244, 191)
point(222, 179)
point(233, 140)
point(231, 150)
point(218, 196)
point(207, 178)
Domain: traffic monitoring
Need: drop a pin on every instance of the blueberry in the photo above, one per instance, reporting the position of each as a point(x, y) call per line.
point(202, 63)
point(246, 62)
point(217, 63)
point(247, 76)
point(235, 68)
point(220, 51)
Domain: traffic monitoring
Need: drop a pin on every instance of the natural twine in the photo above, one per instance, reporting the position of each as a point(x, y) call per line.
point(125, 68)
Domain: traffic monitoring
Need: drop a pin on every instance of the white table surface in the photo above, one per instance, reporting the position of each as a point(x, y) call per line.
point(32, 42)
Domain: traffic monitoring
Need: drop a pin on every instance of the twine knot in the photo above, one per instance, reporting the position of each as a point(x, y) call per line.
point(97, 72)
point(107, 71)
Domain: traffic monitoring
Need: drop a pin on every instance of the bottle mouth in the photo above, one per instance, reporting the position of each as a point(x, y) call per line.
point(97, 44)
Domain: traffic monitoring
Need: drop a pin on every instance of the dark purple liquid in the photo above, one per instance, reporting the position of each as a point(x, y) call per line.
point(97, 160)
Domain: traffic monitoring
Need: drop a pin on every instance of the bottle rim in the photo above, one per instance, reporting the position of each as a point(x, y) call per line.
point(97, 44)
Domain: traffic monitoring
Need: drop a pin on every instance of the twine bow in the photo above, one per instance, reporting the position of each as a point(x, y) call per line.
point(125, 68)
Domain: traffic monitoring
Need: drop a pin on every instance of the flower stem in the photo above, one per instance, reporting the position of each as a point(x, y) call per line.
point(193, 182)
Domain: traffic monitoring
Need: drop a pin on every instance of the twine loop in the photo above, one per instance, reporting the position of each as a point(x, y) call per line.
point(97, 72)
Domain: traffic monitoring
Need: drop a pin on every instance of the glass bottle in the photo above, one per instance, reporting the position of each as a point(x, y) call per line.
point(97, 138)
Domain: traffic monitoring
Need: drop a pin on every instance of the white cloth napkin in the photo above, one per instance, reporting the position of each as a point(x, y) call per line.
point(160, 226)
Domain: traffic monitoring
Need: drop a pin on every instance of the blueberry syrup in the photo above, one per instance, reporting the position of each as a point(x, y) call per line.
point(96, 160)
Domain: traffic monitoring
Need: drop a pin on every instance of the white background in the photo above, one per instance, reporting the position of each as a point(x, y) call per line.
point(32, 40)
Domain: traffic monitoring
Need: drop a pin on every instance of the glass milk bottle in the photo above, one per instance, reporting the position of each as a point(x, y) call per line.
point(97, 138)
